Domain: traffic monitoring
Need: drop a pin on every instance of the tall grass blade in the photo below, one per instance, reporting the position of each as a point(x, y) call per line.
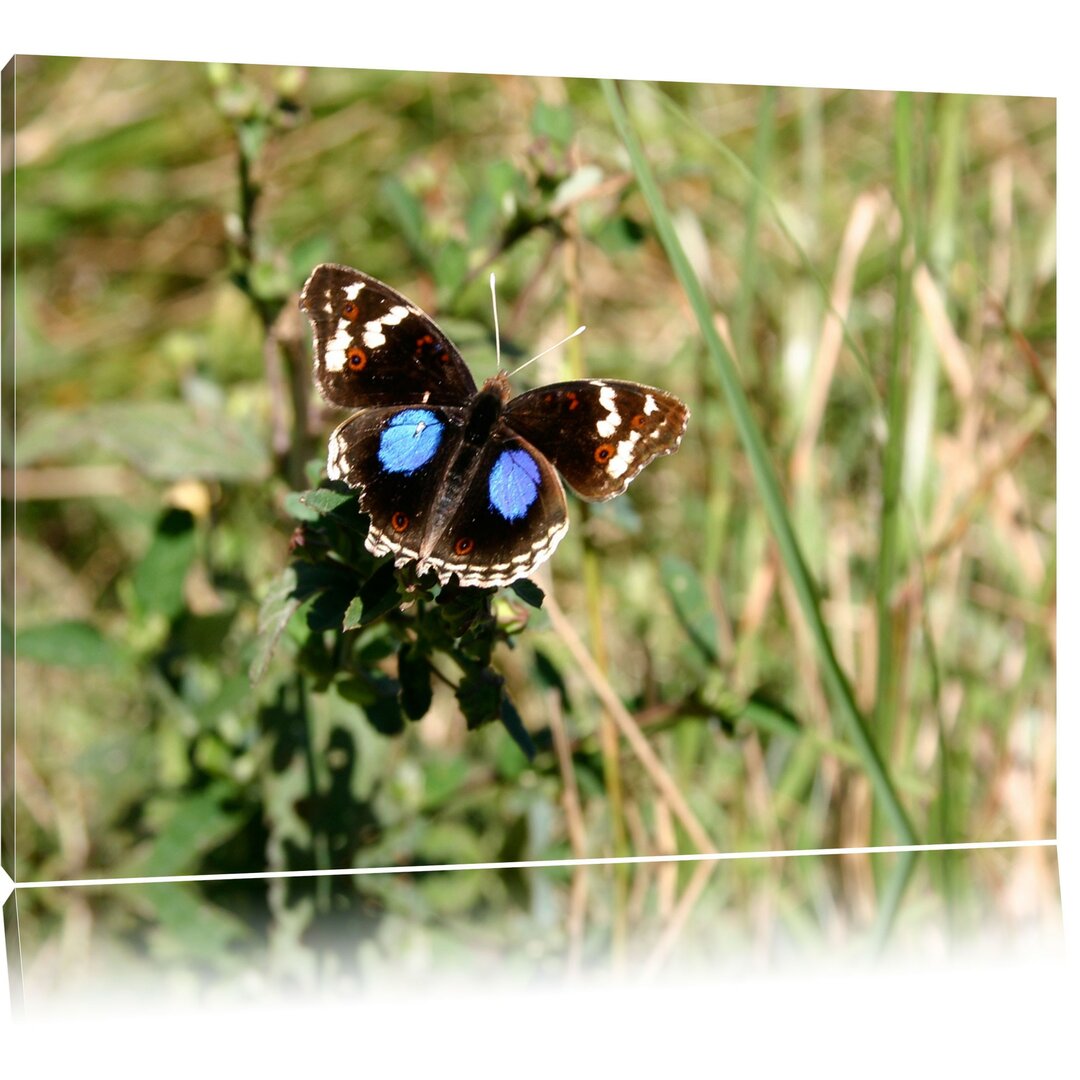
point(891, 646)
point(744, 305)
point(764, 475)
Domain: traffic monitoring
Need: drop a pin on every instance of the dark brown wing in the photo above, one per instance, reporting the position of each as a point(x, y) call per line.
point(599, 433)
point(510, 519)
point(397, 459)
point(375, 347)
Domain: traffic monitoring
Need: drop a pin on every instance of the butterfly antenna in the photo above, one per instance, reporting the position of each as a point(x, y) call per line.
point(551, 348)
point(495, 309)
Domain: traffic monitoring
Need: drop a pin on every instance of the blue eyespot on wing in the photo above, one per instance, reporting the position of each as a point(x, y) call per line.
point(513, 483)
point(409, 441)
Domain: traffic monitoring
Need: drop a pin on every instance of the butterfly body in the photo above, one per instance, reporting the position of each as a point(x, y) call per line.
point(463, 481)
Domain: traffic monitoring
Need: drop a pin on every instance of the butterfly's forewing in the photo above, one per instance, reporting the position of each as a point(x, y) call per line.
point(375, 347)
point(510, 519)
point(599, 433)
point(397, 459)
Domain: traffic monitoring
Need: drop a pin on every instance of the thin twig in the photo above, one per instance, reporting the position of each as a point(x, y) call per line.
point(679, 918)
point(571, 799)
point(70, 482)
point(630, 731)
point(864, 214)
point(962, 519)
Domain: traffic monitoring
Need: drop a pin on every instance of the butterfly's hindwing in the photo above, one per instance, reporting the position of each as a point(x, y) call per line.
point(375, 347)
point(599, 433)
point(509, 519)
point(397, 459)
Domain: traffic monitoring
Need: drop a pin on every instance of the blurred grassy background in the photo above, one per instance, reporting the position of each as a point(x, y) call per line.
point(882, 270)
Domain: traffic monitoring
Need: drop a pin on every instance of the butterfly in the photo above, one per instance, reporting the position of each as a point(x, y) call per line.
point(463, 481)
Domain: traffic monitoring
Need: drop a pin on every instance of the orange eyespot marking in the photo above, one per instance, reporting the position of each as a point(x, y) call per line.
point(399, 522)
point(637, 422)
point(604, 453)
point(549, 398)
point(464, 545)
point(357, 357)
point(426, 345)
point(571, 400)
point(350, 310)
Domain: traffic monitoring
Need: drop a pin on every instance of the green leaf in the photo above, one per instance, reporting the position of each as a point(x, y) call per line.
point(481, 216)
point(478, 642)
point(690, 599)
point(317, 657)
point(555, 122)
point(451, 265)
point(313, 469)
point(454, 894)
point(503, 179)
point(509, 761)
point(385, 716)
point(190, 926)
point(312, 578)
point(328, 611)
point(158, 579)
point(450, 842)
point(405, 208)
point(293, 505)
point(511, 720)
point(528, 591)
point(462, 608)
point(165, 440)
point(354, 614)
point(442, 778)
point(377, 695)
point(270, 281)
point(762, 712)
point(618, 234)
point(379, 595)
point(278, 607)
point(550, 676)
point(194, 825)
point(325, 501)
point(68, 643)
point(414, 675)
point(381, 644)
point(479, 694)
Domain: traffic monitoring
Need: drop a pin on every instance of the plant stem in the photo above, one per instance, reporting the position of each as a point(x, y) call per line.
point(891, 649)
point(763, 145)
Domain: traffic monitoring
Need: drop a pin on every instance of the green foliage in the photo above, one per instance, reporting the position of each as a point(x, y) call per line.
point(164, 440)
point(690, 601)
point(356, 609)
point(158, 580)
point(214, 675)
point(69, 643)
point(553, 122)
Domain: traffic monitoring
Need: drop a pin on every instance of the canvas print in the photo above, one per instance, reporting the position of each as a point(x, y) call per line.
point(333, 541)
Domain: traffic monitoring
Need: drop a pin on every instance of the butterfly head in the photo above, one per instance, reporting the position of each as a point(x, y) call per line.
point(498, 386)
